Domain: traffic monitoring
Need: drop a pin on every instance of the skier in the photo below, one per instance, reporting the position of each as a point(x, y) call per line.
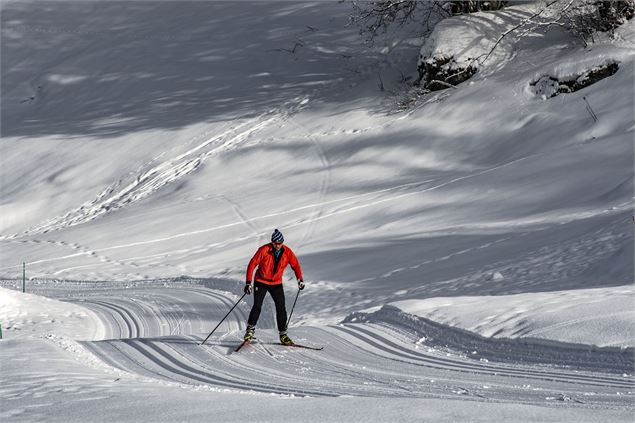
point(271, 260)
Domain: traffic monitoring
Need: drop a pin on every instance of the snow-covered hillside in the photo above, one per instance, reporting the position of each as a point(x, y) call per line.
point(476, 246)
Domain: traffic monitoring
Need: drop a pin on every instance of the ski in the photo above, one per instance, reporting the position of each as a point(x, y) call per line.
point(308, 347)
point(242, 344)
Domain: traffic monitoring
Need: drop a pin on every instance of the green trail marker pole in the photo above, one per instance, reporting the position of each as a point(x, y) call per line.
point(0, 331)
point(23, 277)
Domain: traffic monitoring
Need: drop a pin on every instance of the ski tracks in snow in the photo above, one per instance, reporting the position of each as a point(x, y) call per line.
point(164, 329)
point(133, 188)
point(324, 184)
point(161, 312)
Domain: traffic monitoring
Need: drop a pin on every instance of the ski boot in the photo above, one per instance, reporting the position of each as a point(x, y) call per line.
point(249, 333)
point(285, 340)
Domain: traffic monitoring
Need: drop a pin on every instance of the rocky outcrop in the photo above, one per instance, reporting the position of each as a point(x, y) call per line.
point(548, 86)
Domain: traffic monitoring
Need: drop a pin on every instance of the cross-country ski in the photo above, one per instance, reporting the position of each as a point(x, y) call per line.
point(242, 345)
point(308, 347)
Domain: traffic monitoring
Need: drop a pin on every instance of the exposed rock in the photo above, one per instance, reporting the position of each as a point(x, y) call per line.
point(438, 73)
point(548, 86)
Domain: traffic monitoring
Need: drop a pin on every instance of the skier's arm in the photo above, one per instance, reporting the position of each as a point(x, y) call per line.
point(295, 265)
point(252, 266)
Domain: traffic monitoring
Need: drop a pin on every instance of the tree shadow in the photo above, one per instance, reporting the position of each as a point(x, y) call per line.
point(108, 69)
point(464, 264)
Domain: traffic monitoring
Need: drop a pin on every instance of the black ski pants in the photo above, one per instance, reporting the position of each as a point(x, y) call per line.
point(277, 293)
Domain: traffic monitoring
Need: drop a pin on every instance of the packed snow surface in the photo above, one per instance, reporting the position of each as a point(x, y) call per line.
point(469, 258)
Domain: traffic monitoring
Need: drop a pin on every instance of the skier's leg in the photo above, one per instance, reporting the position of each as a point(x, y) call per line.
point(260, 290)
point(277, 293)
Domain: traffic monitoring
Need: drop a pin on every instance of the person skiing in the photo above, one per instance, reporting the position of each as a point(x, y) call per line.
point(271, 260)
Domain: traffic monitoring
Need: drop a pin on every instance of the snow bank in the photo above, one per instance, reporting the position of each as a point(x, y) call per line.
point(602, 317)
point(462, 44)
point(28, 315)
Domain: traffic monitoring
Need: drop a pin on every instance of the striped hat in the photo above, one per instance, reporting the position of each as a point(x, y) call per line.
point(276, 236)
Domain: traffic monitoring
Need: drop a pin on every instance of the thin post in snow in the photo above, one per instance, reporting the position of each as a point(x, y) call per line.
point(23, 277)
point(590, 110)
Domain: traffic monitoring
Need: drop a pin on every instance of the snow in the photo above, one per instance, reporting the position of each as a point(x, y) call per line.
point(601, 316)
point(26, 315)
point(467, 41)
point(469, 259)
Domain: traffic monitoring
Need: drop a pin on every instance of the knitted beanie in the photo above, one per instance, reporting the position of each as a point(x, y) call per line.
point(276, 236)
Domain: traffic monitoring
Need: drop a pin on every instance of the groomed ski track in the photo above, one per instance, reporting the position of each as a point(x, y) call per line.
point(156, 332)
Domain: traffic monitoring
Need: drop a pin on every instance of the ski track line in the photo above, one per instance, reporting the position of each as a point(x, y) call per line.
point(109, 317)
point(439, 363)
point(420, 382)
point(188, 363)
point(106, 319)
point(435, 260)
point(157, 177)
point(167, 315)
point(268, 373)
point(394, 332)
point(403, 375)
point(179, 328)
point(167, 172)
point(308, 221)
point(330, 367)
point(146, 371)
point(135, 311)
point(272, 375)
point(403, 379)
point(611, 381)
point(168, 362)
point(324, 184)
point(238, 211)
point(232, 324)
point(82, 251)
point(167, 310)
point(227, 302)
point(211, 229)
point(104, 354)
point(125, 315)
point(328, 386)
point(398, 353)
point(325, 375)
point(159, 360)
point(496, 390)
point(587, 376)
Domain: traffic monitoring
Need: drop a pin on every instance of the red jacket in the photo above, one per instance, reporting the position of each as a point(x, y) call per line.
point(268, 272)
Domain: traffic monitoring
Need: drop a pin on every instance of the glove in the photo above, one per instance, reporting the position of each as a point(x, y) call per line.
point(247, 289)
point(300, 284)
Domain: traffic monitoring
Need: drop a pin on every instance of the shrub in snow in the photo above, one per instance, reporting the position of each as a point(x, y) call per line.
point(585, 17)
point(456, 48)
point(471, 6)
point(379, 15)
point(436, 73)
point(548, 86)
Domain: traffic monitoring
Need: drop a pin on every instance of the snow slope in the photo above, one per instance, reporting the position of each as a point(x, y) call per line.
point(601, 316)
point(374, 370)
point(481, 240)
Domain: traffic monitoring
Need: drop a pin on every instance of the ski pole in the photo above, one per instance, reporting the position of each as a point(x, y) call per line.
point(290, 314)
point(223, 319)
